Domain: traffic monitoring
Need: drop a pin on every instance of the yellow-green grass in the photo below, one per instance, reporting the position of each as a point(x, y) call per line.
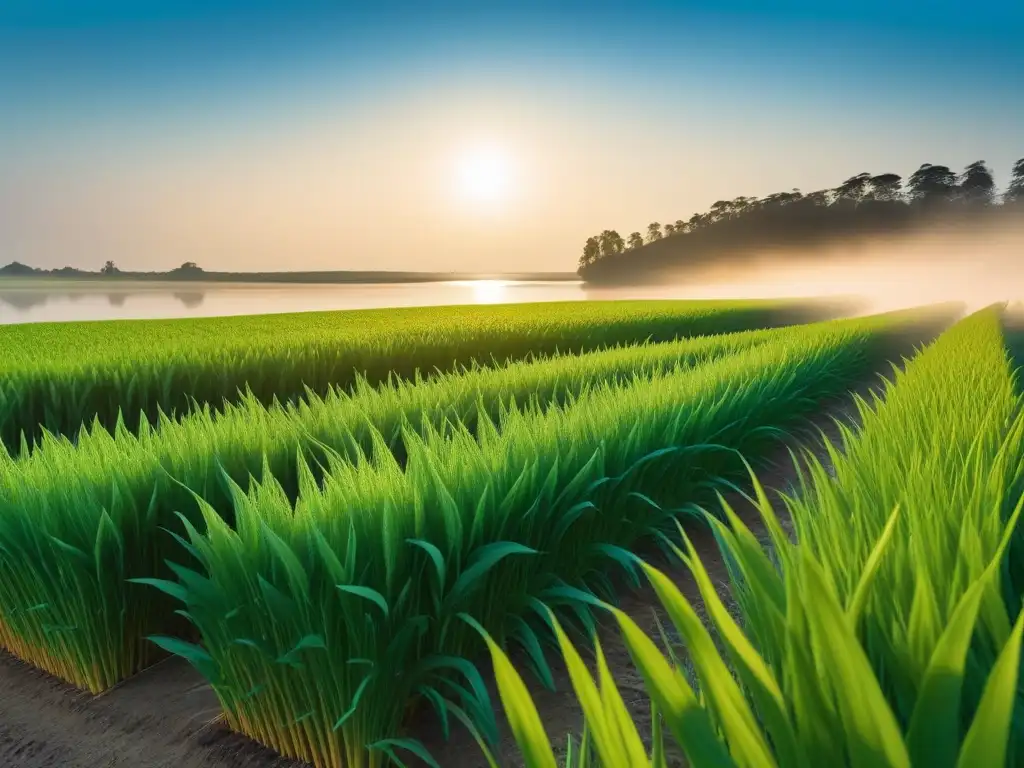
point(322, 621)
point(59, 376)
point(888, 634)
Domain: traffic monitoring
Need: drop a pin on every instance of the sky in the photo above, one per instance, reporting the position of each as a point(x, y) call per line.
point(457, 136)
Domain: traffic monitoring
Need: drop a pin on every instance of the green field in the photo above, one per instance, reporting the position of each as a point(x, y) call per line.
point(58, 377)
point(889, 634)
point(334, 539)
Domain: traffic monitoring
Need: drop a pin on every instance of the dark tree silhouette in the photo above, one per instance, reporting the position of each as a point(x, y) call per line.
point(17, 269)
point(932, 184)
point(720, 210)
point(782, 198)
point(862, 205)
point(591, 251)
point(1015, 190)
point(854, 188)
point(611, 242)
point(109, 268)
point(886, 187)
point(977, 185)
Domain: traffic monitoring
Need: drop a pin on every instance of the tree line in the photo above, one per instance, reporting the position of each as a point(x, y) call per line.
point(864, 204)
point(109, 269)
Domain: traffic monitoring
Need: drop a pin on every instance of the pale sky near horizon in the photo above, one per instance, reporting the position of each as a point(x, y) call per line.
point(271, 135)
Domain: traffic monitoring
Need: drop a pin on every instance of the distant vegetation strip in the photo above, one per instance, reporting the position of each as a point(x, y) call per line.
point(865, 205)
point(323, 621)
point(109, 273)
point(142, 481)
point(59, 377)
point(889, 634)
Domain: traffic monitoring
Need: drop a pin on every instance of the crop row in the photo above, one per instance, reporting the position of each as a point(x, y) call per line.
point(58, 377)
point(889, 634)
point(80, 520)
point(58, 499)
point(322, 621)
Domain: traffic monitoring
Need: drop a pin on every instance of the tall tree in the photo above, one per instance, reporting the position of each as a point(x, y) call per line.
point(681, 227)
point(742, 205)
point(670, 229)
point(977, 185)
point(611, 242)
point(635, 240)
point(932, 183)
point(653, 232)
point(109, 268)
point(886, 187)
point(854, 188)
point(1015, 191)
point(720, 209)
point(591, 251)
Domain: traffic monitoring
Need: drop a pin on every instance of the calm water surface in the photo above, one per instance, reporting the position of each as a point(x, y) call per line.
point(30, 302)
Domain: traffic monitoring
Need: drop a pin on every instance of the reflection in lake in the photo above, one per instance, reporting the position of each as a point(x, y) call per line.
point(190, 299)
point(36, 301)
point(24, 300)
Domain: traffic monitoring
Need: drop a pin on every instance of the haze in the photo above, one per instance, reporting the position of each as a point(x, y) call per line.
point(956, 264)
point(275, 136)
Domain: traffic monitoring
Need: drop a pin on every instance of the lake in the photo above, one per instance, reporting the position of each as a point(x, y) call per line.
point(34, 301)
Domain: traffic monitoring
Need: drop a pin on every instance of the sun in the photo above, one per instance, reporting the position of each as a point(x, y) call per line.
point(484, 175)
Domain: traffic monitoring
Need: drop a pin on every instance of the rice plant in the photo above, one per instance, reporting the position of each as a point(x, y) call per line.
point(946, 446)
point(889, 634)
point(322, 622)
point(107, 496)
point(59, 376)
point(827, 707)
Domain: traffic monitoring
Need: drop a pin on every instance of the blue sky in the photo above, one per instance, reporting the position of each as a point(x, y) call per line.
point(244, 134)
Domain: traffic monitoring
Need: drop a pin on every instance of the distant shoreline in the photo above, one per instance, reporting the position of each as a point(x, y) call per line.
point(308, 278)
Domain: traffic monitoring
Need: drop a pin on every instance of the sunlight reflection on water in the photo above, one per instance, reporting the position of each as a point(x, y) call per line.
point(38, 301)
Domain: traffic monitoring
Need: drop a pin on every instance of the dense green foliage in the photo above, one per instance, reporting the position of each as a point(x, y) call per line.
point(888, 634)
point(323, 620)
point(327, 544)
point(60, 496)
point(1015, 341)
point(947, 448)
point(59, 376)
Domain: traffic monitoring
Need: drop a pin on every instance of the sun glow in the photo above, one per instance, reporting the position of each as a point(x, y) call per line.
point(485, 175)
point(488, 291)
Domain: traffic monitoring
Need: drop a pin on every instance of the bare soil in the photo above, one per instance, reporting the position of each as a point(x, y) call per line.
point(162, 718)
point(168, 717)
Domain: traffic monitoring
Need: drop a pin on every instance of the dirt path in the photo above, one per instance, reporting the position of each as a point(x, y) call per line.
point(160, 718)
point(167, 717)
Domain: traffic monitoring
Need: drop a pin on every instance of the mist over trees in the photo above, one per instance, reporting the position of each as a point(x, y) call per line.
point(862, 205)
point(1015, 191)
